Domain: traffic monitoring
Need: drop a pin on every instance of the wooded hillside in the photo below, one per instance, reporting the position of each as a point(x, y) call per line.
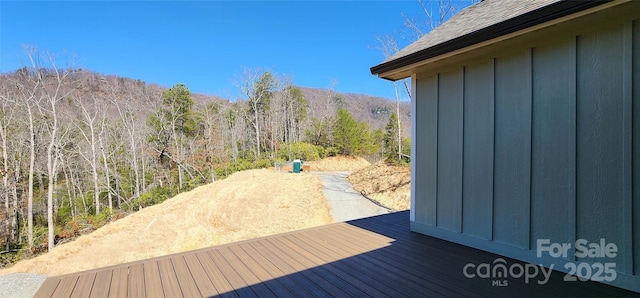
point(79, 148)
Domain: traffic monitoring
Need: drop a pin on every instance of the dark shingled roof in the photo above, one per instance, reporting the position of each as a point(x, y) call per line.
point(480, 22)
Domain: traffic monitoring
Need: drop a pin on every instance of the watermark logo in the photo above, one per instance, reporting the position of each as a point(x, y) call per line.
point(583, 271)
point(499, 271)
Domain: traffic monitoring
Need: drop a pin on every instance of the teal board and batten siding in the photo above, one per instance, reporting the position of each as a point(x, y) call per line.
point(535, 143)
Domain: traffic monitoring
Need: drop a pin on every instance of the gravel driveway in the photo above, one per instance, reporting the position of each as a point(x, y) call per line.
point(345, 203)
point(18, 285)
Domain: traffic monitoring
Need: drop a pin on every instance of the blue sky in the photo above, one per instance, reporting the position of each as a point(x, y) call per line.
point(207, 44)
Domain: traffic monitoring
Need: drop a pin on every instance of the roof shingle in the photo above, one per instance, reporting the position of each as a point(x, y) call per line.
point(471, 19)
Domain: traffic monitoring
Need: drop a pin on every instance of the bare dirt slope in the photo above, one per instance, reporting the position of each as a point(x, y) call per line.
point(389, 185)
point(246, 205)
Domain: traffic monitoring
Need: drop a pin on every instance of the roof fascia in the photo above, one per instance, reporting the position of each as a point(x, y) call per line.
point(536, 17)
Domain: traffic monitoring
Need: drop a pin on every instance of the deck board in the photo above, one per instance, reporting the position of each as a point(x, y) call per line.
point(101, 284)
point(170, 284)
point(119, 282)
point(376, 256)
point(84, 285)
point(368, 275)
point(280, 287)
point(340, 269)
point(49, 286)
point(200, 277)
point(152, 282)
point(185, 278)
point(300, 285)
point(135, 283)
point(233, 277)
point(66, 286)
point(321, 275)
point(221, 283)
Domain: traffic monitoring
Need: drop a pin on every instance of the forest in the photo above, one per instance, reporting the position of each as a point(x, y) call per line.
point(80, 149)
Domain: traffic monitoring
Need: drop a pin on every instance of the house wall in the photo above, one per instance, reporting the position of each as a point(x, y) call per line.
point(535, 142)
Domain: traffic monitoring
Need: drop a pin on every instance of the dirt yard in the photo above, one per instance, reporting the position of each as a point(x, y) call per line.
point(246, 205)
point(389, 185)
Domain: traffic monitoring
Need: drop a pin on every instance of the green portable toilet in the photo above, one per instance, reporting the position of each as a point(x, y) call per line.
point(297, 165)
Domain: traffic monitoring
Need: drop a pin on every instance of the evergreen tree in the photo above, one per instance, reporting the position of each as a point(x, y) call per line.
point(352, 137)
point(391, 138)
point(171, 124)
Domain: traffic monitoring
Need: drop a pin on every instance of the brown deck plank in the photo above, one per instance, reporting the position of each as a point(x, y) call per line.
point(152, 282)
point(234, 277)
point(185, 279)
point(245, 272)
point(383, 273)
point(328, 276)
point(306, 276)
point(84, 285)
point(136, 281)
point(170, 284)
point(101, 284)
point(221, 283)
point(295, 284)
point(200, 277)
point(350, 265)
point(119, 282)
point(262, 276)
point(47, 288)
point(344, 272)
point(66, 286)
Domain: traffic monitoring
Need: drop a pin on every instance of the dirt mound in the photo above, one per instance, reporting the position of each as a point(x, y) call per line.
point(338, 163)
point(389, 185)
point(246, 205)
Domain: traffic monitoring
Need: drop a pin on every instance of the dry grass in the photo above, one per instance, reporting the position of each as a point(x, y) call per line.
point(246, 205)
point(389, 185)
point(339, 163)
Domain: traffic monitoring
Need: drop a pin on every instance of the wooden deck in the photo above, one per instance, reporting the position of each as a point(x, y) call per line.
point(376, 256)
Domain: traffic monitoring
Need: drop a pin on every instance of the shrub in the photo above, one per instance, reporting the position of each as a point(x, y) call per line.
point(301, 150)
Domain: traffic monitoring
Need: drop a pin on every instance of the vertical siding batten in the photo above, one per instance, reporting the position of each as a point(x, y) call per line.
point(531, 114)
point(426, 143)
point(553, 143)
point(512, 149)
point(627, 158)
point(493, 159)
point(600, 139)
point(477, 171)
point(636, 148)
point(449, 194)
point(414, 108)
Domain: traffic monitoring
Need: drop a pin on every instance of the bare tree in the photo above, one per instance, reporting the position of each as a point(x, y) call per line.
point(321, 116)
point(210, 115)
point(258, 86)
point(7, 112)
point(27, 84)
point(90, 127)
point(53, 82)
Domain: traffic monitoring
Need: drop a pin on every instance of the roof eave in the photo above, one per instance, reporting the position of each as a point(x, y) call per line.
point(389, 70)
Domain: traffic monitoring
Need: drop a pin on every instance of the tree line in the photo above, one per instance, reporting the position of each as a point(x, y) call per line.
point(79, 149)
